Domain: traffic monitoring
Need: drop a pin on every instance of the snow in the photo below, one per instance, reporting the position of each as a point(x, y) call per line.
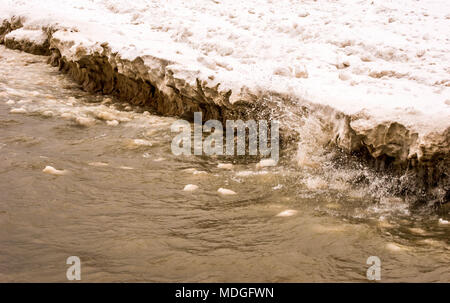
point(35, 36)
point(381, 59)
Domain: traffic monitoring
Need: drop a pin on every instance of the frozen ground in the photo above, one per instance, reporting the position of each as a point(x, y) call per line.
point(376, 60)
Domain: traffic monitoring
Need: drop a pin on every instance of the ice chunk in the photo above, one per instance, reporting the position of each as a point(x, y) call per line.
point(98, 164)
point(85, 121)
point(443, 222)
point(19, 110)
point(53, 171)
point(112, 123)
point(266, 163)
point(395, 247)
point(190, 187)
point(287, 213)
point(126, 167)
point(226, 192)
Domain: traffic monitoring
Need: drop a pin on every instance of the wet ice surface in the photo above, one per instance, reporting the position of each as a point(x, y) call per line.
point(120, 204)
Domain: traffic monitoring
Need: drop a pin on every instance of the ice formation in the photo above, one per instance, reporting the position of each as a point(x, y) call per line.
point(374, 75)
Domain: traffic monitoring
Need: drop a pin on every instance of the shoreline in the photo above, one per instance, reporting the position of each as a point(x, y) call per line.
point(147, 81)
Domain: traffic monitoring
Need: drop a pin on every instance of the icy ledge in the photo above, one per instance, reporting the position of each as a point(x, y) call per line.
point(395, 141)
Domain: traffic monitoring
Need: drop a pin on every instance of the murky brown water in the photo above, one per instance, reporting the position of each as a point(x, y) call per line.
point(122, 210)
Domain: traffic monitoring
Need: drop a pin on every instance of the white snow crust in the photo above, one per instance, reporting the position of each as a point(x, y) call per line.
point(380, 60)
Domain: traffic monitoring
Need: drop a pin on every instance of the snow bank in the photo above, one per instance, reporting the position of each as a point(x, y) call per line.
point(383, 65)
point(389, 58)
point(34, 36)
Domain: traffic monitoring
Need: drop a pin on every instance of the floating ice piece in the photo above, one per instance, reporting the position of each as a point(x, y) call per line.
point(104, 115)
point(266, 163)
point(126, 167)
point(124, 119)
point(142, 142)
point(98, 164)
point(47, 113)
point(226, 192)
point(19, 110)
point(443, 222)
point(225, 165)
point(190, 187)
point(279, 186)
point(85, 121)
point(10, 102)
point(394, 247)
point(53, 171)
point(112, 123)
point(287, 213)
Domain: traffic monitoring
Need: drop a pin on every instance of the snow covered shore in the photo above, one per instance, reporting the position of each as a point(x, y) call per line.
point(379, 69)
